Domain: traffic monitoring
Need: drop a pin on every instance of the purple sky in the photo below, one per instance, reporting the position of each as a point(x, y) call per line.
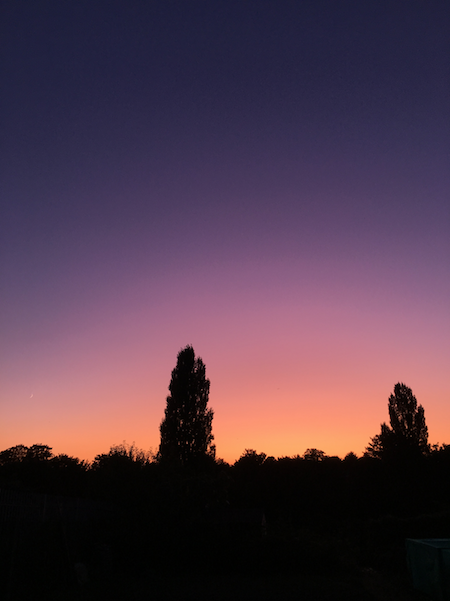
point(268, 181)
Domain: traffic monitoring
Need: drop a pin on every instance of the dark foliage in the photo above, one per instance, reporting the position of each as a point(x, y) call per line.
point(123, 457)
point(407, 436)
point(263, 528)
point(38, 468)
point(330, 528)
point(186, 430)
point(314, 455)
point(22, 454)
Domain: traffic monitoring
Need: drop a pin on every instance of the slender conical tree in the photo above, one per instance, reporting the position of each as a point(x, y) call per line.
point(186, 430)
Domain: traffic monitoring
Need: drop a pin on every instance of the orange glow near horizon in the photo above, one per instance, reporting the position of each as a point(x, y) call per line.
point(286, 373)
point(274, 399)
point(280, 202)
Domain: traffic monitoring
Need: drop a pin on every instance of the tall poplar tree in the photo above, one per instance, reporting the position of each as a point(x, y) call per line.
point(186, 430)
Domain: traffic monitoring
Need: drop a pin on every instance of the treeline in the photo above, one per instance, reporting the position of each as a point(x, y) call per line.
point(257, 518)
point(182, 524)
point(284, 486)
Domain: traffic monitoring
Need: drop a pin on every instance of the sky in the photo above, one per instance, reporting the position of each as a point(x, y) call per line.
point(266, 180)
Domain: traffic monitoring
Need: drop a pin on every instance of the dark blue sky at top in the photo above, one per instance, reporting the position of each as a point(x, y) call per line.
point(143, 137)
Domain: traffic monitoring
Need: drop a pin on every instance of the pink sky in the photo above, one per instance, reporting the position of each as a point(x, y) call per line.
point(288, 371)
point(268, 182)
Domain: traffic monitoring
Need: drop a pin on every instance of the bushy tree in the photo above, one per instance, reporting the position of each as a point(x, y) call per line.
point(122, 457)
point(186, 430)
point(38, 453)
point(408, 434)
point(13, 454)
point(314, 455)
point(351, 457)
point(21, 453)
point(250, 458)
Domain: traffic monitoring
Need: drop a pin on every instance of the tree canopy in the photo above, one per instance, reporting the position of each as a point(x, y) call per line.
point(314, 455)
point(186, 430)
point(21, 453)
point(407, 435)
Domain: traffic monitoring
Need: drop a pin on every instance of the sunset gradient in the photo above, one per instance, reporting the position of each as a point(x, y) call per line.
point(268, 182)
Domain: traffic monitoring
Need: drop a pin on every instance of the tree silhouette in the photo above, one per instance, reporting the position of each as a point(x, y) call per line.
point(351, 457)
point(22, 454)
point(122, 456)
point(408, 434)
point(13, 454)
point(251, 457)
point(38, 453)
point(186, 430)
point(314, 455)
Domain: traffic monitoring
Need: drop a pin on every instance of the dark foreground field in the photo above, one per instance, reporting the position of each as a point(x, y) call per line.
point(259, 530)
point(131, 558)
